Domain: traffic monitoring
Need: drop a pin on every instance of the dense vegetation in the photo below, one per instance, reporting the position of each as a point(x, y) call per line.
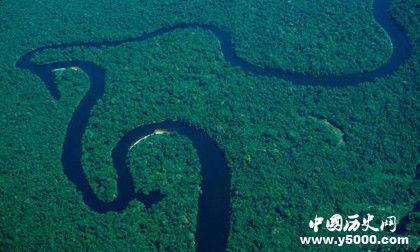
point(281, 140)
point(317, 37)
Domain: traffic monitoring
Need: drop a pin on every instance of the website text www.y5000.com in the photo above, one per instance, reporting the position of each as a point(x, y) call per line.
point(353, 239)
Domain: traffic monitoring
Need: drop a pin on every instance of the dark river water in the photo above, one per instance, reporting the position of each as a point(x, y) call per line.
point(213, 223)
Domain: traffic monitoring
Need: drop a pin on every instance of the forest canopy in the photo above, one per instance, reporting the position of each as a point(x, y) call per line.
point(294, 150)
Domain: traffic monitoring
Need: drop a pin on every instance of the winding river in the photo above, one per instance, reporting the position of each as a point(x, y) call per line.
point(213, 223)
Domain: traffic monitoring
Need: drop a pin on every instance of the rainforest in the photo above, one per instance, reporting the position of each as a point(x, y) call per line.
point(207, 125)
